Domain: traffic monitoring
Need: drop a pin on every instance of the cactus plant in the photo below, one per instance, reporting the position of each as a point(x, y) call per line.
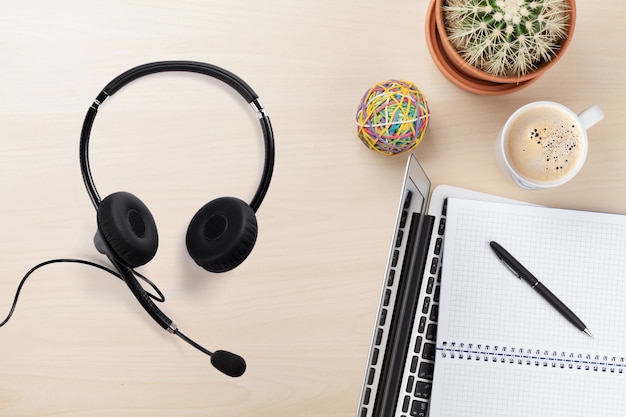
point(506, 37)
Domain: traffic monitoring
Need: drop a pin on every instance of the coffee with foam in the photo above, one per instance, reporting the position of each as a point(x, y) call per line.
point(545, 144)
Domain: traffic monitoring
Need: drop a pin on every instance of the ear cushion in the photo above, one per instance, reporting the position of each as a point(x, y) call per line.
point(222, 234)
point(128, 228)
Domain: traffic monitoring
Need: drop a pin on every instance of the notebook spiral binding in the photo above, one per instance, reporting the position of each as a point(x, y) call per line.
point(533, 357)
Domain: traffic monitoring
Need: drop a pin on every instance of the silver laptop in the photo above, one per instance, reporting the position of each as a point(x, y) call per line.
point(399, 373)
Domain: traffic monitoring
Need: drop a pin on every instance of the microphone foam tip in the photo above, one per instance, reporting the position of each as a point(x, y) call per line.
point(228, 363)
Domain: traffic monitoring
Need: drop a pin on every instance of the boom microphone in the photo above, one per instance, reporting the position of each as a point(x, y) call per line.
point(226, 362)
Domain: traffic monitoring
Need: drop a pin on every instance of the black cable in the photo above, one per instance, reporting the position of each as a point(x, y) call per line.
point(158, 297)
point(192, 343)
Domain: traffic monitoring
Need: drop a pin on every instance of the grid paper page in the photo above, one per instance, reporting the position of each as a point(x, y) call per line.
point(579, 256)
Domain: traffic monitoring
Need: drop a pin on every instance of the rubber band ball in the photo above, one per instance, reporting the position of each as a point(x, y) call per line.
point(392, 117)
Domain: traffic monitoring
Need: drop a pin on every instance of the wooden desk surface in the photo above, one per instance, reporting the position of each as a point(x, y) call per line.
point(301, 308)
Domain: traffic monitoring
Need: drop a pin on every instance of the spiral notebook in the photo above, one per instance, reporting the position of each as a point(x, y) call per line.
point(502, 350)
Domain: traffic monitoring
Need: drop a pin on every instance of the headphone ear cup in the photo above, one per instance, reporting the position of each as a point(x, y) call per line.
point(222, 234)
point(128, 229)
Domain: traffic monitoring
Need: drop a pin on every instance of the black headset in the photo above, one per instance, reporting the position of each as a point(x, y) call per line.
point(220, 235)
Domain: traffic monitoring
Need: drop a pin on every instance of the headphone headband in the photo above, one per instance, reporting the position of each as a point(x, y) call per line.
point(179, 66)
point(182, 66)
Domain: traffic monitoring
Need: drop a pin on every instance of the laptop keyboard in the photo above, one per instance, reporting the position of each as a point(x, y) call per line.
point(384, 319)
point(414, 392)
point(418, 373)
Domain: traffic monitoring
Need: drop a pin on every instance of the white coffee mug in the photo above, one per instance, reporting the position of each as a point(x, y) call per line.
point(544, 144)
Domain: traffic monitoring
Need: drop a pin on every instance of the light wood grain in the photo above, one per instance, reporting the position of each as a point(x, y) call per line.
point(301, 308)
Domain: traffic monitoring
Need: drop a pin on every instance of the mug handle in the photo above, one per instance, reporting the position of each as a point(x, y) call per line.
point(591, 116)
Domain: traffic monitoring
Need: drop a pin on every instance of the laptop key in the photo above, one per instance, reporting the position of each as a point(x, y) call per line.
point(423, 389)
point(403, 218)
point(399, 238)
point(379, 337)
point(418, 344)
point(405, 403)
point(375, 356)
point(431, 332)
point(387, 298)
point(383, 317)
point(409, 384)
point(433, 265)
point(426, 370)
point(434, 313)
point(430, 285)
point(422, 324)
point(429, 351)
point(419, 408)
point(438, 244)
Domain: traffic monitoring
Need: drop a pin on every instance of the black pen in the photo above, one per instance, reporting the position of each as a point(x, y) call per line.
point(518, 269)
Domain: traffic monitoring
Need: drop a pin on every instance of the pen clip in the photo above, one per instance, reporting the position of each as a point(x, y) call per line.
point(509, 267)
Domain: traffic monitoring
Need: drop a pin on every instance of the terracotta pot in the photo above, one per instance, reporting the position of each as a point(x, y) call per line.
point(473, 79)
